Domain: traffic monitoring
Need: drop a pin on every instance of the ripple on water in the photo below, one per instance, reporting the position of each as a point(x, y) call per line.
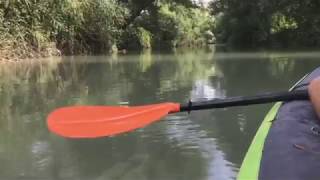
point(189, 136)
point(41, 155)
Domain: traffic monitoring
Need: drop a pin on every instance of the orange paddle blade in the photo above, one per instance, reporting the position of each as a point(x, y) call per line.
point(99, 121)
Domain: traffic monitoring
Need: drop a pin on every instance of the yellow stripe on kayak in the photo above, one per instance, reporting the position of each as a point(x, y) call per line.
point(250, 166)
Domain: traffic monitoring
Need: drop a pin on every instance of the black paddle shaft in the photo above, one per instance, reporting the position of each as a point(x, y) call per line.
point(247, 100)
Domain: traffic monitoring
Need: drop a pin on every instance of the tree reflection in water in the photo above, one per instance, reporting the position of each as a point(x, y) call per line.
point(202, 145)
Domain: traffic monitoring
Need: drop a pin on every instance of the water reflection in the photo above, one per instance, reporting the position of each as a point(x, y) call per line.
point(218, 166)
point(203, 145)
point(204, 90)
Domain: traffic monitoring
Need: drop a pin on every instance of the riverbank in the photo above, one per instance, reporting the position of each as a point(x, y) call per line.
point(30, 29)
point(10, 52)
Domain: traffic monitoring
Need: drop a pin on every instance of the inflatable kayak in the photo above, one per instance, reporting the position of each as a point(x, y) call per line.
point(287, 144)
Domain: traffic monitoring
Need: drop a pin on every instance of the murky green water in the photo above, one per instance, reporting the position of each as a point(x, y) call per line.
point(208, 144)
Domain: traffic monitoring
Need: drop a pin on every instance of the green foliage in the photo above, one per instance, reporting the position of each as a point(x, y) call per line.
point(181, 26)
point(137, 38)
point(171, 24)
point(306, 15)
point(89, 26)
point(281, 22)
point(21, 33)
point(144, 37)
point(86, 26)
point(76, 26)
point(241, 23)
point(103, 23)
point(168, 24)
point(251, 23)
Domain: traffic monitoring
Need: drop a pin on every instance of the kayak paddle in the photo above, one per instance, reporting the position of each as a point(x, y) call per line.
point(100, 121)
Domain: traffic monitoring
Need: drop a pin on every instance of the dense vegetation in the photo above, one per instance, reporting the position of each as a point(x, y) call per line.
point(279, 23)
point(38, 27)
point(32, 28)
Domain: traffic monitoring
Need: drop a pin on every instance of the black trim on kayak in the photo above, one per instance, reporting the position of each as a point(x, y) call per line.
point(292, 147)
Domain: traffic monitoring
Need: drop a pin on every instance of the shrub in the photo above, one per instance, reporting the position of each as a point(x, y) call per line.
point(137, 38)
point(76, 26)
point(181, 26)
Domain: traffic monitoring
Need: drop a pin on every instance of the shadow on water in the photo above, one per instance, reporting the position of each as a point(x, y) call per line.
point(207, 144)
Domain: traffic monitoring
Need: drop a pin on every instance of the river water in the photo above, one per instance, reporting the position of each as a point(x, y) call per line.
point(208, 144)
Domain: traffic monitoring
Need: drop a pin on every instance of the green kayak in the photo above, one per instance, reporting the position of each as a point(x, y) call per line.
point(289, 133)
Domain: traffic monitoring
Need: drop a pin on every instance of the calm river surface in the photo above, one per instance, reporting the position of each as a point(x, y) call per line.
point(208, 144)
